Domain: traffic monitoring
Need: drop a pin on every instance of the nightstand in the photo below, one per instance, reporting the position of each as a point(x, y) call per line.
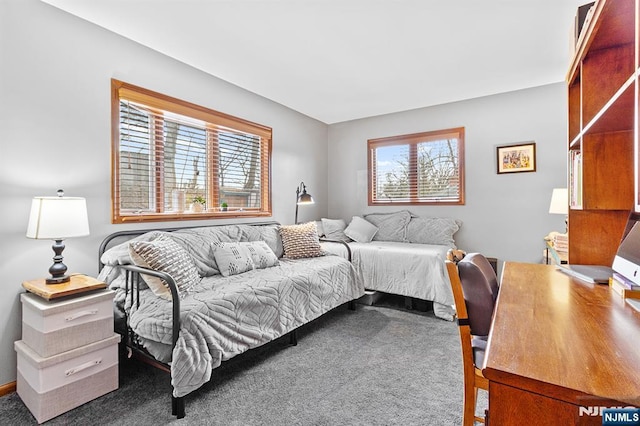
point(551, 256)
point(68, 354)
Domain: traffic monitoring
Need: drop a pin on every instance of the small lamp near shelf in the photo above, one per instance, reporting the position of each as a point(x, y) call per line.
point(557, 243)
point(302, 197)
point(58, 218)
point(560, 204)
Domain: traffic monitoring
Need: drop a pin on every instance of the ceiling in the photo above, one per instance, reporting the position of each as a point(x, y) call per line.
point(339, 60)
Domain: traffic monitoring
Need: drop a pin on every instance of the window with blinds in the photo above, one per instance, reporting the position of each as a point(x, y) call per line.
point(417, 169)
point(173, 160)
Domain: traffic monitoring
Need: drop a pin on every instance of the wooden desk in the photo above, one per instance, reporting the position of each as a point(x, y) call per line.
point(558, 344)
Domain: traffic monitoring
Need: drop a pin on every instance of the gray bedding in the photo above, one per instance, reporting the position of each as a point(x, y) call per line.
point(225, 316)
point(407, 269)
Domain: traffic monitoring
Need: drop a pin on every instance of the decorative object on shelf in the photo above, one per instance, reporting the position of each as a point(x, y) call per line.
point(178, 200)
point(583, 16)
point(58, 218)
point(302, 197)
point(198, 204)
point(224, 206)
point(516, 158)
point(560, 203)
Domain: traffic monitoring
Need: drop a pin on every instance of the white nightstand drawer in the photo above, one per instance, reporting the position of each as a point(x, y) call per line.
point(45, 406)
point(46, 374)
point(54, 385)
point(51, 327)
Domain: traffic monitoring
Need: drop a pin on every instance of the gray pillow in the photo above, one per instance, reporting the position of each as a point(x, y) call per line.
point(232, 258)
point(360, 230)
point(433, 230)
point(165, 255)
point(391, 226)
point(197, 242)
point(261, 254)
point(334, 229)
point(120, 254)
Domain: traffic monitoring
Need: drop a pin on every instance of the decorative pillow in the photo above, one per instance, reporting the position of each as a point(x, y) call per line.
point(197, 242)
point(267, 233)
point(360, 230)
point(165, 255)
point(261, 254)
point(300, 241)
point(433, 230)
point(233, 258)
point(120, 254)
point(334, 229)
point(391, 226)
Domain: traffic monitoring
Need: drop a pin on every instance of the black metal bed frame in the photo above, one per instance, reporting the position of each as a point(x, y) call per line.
point(132, 291)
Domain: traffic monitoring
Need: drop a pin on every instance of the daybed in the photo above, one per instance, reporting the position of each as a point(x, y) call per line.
point(207, 294)
point(401, 253)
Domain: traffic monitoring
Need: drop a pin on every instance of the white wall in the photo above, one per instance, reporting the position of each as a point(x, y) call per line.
point(505, 216)
point(55, 72)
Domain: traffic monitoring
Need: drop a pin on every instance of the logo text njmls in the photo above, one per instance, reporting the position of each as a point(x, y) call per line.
point(621, 416)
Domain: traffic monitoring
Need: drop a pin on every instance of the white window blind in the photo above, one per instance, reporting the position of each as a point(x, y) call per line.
point(166, 159)
point(425, 168)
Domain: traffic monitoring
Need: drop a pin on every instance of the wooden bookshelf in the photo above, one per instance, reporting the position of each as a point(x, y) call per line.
point(602, 131)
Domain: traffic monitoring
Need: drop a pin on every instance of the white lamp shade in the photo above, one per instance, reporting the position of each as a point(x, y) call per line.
point(559, 201)
point(57, 218)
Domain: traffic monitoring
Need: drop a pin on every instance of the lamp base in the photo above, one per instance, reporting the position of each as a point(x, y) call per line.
point(58, 280)
point(58, 270)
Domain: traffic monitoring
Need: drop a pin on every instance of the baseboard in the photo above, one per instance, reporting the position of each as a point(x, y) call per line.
point(7, 388)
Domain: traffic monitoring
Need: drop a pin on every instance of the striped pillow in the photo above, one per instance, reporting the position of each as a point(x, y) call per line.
point(165, 255)
point(300, 241)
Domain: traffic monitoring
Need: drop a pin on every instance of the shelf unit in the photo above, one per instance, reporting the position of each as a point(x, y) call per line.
point(602, 125)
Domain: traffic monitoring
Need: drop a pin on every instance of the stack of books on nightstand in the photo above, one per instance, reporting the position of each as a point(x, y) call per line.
point(561, 243)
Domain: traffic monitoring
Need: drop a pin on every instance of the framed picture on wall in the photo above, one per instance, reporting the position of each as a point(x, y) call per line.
point(517, 158)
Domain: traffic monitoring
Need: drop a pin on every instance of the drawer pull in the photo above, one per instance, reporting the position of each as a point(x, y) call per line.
point(82, 367)
point(81, 314)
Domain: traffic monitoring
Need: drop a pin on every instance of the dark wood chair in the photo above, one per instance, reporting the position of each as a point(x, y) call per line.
point(475, 289)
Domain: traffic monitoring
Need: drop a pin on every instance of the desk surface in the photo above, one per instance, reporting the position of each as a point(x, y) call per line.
point(559, 336)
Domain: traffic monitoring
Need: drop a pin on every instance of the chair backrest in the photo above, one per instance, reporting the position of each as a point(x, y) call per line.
point(472, 351)
point(463, 320)
point(480, 290)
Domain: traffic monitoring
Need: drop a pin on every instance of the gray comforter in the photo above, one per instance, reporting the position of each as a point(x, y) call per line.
point(407, 269)
point(225, 316)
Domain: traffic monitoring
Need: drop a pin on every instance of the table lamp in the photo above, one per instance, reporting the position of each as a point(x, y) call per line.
point(560, 203)
point(58, 218)
point(302, 197)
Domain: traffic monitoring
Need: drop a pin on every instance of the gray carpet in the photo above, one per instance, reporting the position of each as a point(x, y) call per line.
point(379, 365)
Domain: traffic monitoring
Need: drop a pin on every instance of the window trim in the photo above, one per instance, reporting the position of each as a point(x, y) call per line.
point(122, 90)
point(412, 140)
